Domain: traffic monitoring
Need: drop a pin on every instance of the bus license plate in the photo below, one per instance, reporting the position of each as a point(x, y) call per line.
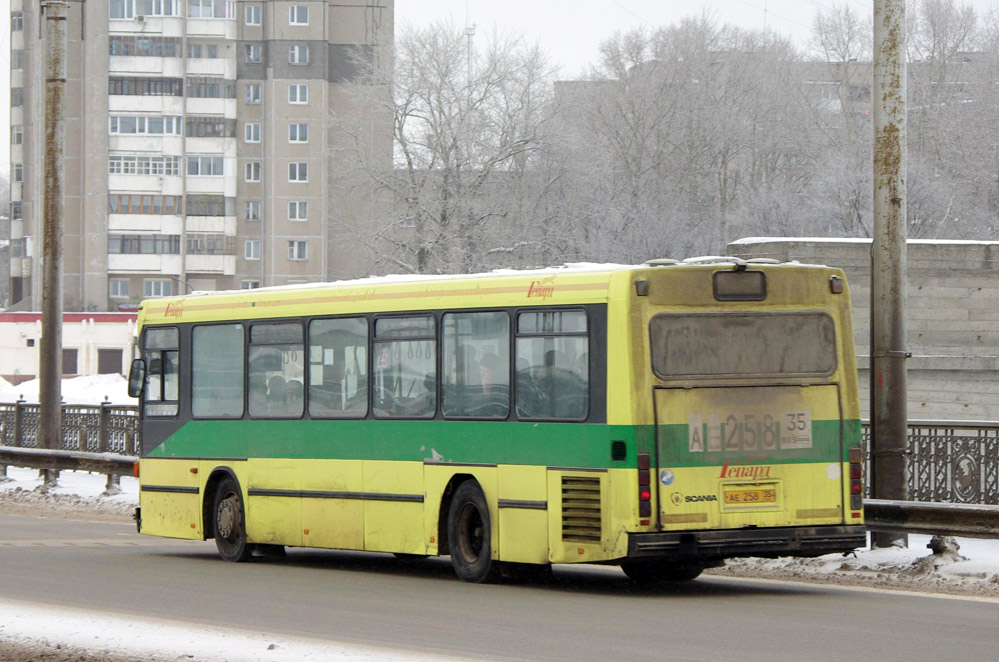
point(751, 496)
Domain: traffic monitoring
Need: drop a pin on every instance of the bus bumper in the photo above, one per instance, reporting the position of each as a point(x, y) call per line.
point(729, 543)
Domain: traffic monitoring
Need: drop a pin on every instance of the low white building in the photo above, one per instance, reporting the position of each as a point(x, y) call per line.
point(93, 344)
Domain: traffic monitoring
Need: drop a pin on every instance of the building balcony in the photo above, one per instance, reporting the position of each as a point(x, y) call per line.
point(213, 145)
point(136, 65)
point(160, 224)
point(218, 185)
point(212, 27)
point(204, 106)
point(127, 103)
point(220, 66)
point(224, 265)
point(168, 184)
point(145, 264)
point(211, 224)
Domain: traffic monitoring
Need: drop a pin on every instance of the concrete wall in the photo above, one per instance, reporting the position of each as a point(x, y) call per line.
point(952, 317)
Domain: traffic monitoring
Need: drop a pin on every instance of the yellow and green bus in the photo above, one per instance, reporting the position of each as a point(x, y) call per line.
point(661, 417)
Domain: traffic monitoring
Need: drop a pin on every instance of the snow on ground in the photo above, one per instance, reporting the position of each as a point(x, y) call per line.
point(90, 390)
point(26, 632)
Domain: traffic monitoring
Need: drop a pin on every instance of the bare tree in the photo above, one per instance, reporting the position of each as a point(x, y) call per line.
point(467, 128)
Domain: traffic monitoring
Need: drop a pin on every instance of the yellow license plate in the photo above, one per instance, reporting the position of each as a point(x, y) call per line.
point(750, 497)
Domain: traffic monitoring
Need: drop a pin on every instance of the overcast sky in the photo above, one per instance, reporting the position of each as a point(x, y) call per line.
point(569, 30)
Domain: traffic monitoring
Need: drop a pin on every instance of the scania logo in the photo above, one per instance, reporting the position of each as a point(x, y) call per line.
point(676, 498)
point(700, 497)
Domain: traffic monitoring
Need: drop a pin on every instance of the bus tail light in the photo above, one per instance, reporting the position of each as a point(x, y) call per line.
point(856, 479)
point(135, 469)
point(644, 486)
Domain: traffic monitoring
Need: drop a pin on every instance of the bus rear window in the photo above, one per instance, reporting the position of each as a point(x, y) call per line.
point(743, 344)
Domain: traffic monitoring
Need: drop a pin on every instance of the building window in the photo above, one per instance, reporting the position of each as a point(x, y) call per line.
point(251, 132)
point(251, 15)
point(69, 357)
point(298, 172)
point(206, 204)
point(17, 173)
point(210, 87)
point(298, 93)
point(206, 166)
point(210, 244)
point(210, 9)
point(17, 59)
point(298, 210)
point(143, 244)
point(17, 247)
point(298, 15)
point(16, 21)
point(253, 54)
point(121, 9)
point(198, 51)
point(253, 210)
point(143, 164)
point(154, 87)
point(253, 93)
point(143, 203)
point(298, 132)
point(137, 124)
point(251, 249)
point(210, 127)
point(157, 287)
point(118, 288)
point(16, 96)
point(144, 46)
point(252, 171)
point(17, 134)
point(298, 54)
point(298, 250)
point(249, 284)
point(16, 211)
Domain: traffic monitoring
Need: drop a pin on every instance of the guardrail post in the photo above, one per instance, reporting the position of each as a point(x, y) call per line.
point(103, 443)
point(17, 422)
point(113, 485)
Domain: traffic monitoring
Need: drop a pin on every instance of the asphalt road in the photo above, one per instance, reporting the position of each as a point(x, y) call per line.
point(584, 613)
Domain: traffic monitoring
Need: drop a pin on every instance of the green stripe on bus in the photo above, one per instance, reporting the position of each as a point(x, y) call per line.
point(544, 444)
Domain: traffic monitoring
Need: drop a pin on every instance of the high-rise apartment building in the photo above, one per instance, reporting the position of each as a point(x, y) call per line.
point(197, 143)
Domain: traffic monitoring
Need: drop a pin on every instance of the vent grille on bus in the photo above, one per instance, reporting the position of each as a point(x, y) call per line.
point(580, 509)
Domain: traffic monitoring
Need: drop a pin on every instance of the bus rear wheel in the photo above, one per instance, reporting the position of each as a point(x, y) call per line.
point(469, 535)
point(229, 522)
point(662, 572)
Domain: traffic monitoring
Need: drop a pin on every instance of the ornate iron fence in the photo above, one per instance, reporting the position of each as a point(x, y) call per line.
point(950, 461)
point(104, 428)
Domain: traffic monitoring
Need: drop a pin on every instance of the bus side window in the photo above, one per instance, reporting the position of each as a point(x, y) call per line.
point(476, 379)
point(552, 365)
point(276, 370)
point(405, 369)
point(338, 363)
point(162, 356)
point(217, 371)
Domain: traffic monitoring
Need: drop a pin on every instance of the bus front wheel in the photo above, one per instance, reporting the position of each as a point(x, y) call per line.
point(469, 535)
point(650, 573)
point(229, 522)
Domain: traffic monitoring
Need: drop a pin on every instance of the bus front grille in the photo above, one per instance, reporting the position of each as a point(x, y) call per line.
point(580, 509)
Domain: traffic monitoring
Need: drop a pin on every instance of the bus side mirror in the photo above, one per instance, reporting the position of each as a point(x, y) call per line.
point(136, 378)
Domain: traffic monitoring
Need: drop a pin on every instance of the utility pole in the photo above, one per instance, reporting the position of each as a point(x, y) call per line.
point(889, 415)
point(50, 349)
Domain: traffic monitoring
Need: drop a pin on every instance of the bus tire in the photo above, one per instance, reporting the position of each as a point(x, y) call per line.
point(662, 572)
point(229, 522)
point(470, 535)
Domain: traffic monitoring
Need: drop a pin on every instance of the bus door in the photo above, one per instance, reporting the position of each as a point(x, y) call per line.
point(748, 420)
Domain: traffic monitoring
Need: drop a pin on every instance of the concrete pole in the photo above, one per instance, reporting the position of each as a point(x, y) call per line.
point(50, 348)
point(889, 415)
